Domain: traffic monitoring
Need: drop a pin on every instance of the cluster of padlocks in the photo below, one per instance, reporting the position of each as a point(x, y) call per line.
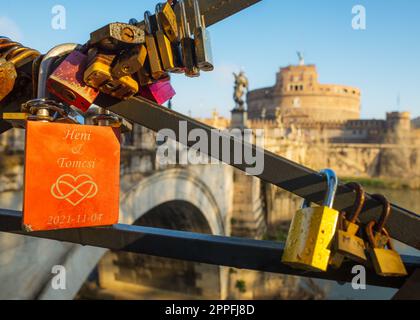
point(321, 237)
point(123, 59)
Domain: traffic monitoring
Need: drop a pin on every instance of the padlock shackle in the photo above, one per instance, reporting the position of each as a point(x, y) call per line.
point(184, 20)
point(359, 202)
point(371, 236)
point(197, 14)
point(46, 64)
point(332, 184)
point(148, 23)
point(386, 212)
point(158, 22)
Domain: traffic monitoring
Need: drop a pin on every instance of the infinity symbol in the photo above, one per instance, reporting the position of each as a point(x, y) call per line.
point(57, 193)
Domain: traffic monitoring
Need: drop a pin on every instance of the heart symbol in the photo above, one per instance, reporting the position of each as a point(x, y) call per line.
point(67, 187)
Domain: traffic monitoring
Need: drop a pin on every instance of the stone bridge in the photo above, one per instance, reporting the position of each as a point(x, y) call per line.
point(211, 199)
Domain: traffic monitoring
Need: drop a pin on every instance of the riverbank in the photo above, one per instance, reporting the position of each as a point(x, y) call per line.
point(385, 183)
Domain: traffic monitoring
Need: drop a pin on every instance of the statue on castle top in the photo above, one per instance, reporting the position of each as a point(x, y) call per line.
point(301, 58)
point(241, 87)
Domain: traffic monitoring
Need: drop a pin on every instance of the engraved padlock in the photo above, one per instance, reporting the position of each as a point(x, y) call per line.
point(312, 231)
point(67, 83)
point(64, 183)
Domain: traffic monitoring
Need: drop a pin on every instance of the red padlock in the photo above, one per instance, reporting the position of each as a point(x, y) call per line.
point(159, 92)
point(67, 83)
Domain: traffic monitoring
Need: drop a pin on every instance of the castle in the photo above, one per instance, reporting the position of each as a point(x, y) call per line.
point(298, 102)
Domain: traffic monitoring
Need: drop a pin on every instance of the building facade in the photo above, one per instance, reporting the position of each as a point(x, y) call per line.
point(298, 93)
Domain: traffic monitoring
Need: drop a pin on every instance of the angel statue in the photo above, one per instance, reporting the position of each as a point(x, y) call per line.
point(241, 86)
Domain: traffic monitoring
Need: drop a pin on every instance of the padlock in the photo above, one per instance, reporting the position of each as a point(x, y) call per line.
point(187, 45)
point(20, 55)
point(64, 184)
point(202, 42)
point(67, 83)
point(143, 76)
point(312, 231)
point(164, 45)
point(16, 119)
point(156, 70)
point(122, 88)
point(385, 259)
point(130, 62)
point(159, 92)
point(98, 75)
point(117, 36)
point(346, 243)
point(8, 77)
point(167, 18)
point(16, 53)
point(178, 60)
point(98, 71)
point(12, 57)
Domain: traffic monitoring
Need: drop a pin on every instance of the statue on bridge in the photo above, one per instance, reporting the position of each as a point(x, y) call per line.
point(241, 87)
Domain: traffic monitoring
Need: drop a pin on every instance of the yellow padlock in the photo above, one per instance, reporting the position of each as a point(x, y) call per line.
point(384, 258)
point(312, 231)
point(347, 243)
point(167, 17)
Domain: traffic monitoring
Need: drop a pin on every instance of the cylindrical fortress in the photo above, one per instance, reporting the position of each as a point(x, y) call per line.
point(297, 92)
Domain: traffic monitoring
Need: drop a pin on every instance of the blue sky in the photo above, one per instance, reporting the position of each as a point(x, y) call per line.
point(383, 60)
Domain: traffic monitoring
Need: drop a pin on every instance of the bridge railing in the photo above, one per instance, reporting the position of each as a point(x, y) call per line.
point(233, 252)
point(403, 225)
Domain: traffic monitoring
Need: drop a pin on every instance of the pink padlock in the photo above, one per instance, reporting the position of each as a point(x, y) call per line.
point(66, 82)
point(159, 92)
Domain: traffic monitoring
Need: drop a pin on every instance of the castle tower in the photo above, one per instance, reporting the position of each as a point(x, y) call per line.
point(398, 121)
point(298, 93)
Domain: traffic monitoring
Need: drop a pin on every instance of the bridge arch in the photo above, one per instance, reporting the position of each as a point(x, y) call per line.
point(172, 185)
point(173, 199)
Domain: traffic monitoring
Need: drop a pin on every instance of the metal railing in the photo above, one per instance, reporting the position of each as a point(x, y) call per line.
point(216, 250)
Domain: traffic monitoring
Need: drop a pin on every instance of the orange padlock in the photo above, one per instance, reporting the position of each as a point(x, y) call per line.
point(72, 176)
